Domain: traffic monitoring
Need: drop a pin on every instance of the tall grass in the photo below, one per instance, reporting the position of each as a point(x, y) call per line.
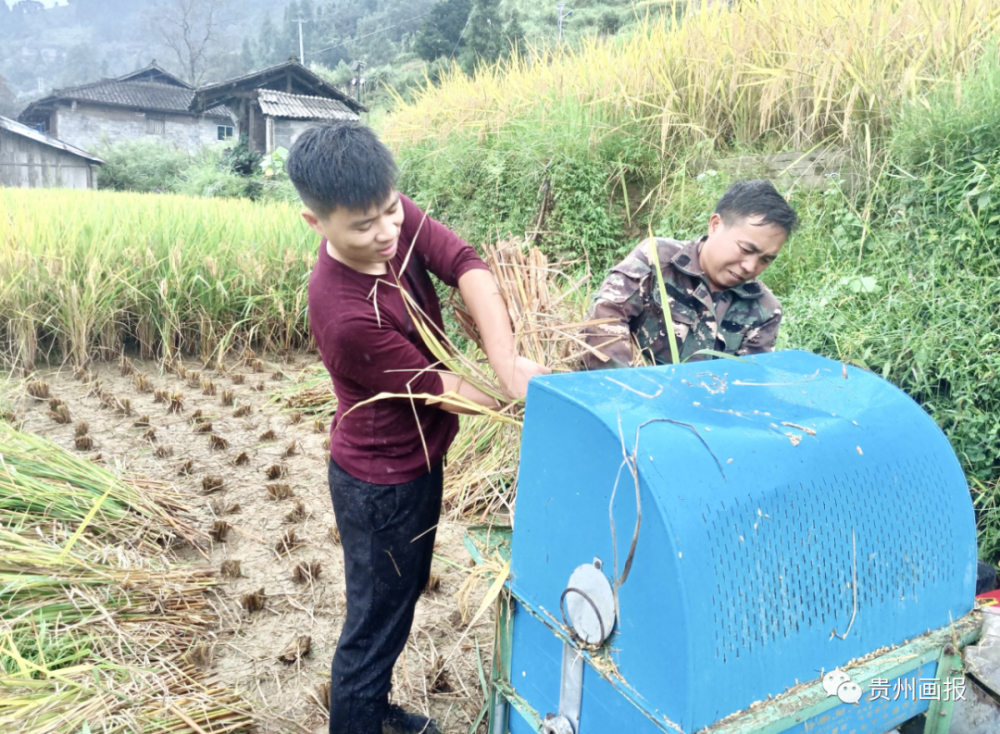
point(805, 72)
point(83, 274)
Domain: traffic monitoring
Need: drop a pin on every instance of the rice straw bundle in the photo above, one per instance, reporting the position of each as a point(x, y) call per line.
point(94, 619)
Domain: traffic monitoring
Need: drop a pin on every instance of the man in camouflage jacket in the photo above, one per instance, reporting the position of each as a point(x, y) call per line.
point(716, 302)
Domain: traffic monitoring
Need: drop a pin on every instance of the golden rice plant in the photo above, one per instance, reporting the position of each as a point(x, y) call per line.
point(807, 71)
point(181, 275)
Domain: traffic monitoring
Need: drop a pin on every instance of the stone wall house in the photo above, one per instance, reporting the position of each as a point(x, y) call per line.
point(30, 159)
point(147, 104)
point(274, 105)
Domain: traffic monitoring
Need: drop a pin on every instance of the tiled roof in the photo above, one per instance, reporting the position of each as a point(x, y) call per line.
point(302, 107)
point(291, 76)
point(144, 95)
point(30, 132)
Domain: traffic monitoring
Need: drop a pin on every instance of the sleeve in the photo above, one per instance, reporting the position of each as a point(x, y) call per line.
point(761, 338)
point(444, 253)
point(622, 299)
point(381, 359)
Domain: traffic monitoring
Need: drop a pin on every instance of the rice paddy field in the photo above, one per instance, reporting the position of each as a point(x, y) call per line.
point(169, 559)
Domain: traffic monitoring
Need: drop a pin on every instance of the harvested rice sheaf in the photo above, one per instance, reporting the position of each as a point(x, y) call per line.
point(290, 450)
point(254, 602)
point(323, 695)
point(319, 427)
point(142, 383)
point(81, 428)
point(238, 379)
point(295, 417)
point(260, 386)
point(61, 414)
point(217, 442)
point(296, 650)
point(38, 389)
point(149, 434)
point(220, 531)
point(141, 422)
point(278, 491)
point(221, 507)
point(161, 396)
point(199, 656)
point(433, 584)
point(207, 387)
point(287, 542)
point(212, 484)
point(268, 435)
point(307, 571)
point(335, 534)
point(186, 468)
point(275, 471)
point(163, 452)
point(123, 406)
point(205, 427)
point(227, 398)
point(297, 513)
point(176, 402)
point(241, 459)
point(230, 569)
point(83, 442)
point(242, 411)
point(125, 367)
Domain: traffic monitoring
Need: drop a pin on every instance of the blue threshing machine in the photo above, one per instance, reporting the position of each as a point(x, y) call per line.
point(782, 544)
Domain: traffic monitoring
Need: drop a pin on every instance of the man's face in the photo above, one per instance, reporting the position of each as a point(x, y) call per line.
point(738, 252)
point(363, 240)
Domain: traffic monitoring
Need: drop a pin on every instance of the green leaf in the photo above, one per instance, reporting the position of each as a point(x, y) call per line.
point(984, 200)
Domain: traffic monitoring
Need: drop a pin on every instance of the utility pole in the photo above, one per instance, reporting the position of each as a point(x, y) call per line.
point(302, 56)
point(358, 82)
point(560, 7)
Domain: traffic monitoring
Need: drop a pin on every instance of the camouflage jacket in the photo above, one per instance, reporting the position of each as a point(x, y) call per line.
point(740, 320)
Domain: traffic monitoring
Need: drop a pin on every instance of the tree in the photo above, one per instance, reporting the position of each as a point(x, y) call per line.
point(81, 65)
point(609, 23)
point(441, 33)
point(513, 33)
point(191, 30)
point(8, 108)
point(484, 41)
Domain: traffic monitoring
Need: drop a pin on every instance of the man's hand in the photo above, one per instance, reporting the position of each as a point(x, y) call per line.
point(514, 376)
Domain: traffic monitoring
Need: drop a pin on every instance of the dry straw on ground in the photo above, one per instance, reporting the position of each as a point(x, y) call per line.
point(95, 623)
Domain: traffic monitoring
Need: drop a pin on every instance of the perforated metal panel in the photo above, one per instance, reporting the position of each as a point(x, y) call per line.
point(769, 491)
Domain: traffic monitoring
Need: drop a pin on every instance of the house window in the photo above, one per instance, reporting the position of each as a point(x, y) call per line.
point(225, 132)
point(155, 124)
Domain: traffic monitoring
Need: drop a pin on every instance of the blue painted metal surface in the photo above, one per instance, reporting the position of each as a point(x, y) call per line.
point(777, 483)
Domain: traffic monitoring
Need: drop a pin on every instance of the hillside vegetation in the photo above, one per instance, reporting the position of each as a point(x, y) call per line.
point(588, 149)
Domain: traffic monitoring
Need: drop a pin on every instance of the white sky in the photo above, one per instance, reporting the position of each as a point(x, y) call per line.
point(46, 3)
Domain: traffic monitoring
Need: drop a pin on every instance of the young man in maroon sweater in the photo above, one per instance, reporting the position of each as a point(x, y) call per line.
point(386, 456)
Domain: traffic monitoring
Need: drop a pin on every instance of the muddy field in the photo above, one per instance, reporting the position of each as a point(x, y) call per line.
point(253, 473)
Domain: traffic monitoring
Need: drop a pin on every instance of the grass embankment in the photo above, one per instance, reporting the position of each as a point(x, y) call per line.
point(100, 629)
point(84, 274)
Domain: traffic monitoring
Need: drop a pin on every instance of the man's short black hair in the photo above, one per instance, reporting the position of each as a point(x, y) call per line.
point(757, 198)
point(341, 165)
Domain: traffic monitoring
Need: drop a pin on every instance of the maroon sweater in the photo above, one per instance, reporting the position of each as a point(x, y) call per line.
point(369, 350)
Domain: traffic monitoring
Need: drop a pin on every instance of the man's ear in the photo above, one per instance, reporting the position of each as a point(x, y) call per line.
point(312, 220)
point(715, 223)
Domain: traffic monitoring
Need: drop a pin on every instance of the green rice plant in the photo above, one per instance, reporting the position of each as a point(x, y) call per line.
point(94, 619)
point(167, 274)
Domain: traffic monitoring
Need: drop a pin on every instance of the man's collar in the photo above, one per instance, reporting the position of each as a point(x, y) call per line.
point(686, 260)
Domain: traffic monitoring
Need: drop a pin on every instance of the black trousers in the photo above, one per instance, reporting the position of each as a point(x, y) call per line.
point(387, 532)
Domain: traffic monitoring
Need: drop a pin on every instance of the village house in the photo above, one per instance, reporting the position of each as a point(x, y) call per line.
point(274, 105)
point(30, 159)
point(149, 103)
